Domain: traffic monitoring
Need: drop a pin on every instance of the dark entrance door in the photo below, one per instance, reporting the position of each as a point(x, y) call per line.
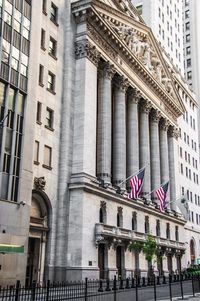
point(169, 260)
point(101, 260)
point(160, 265)
point(33, 260)
point(119, 260)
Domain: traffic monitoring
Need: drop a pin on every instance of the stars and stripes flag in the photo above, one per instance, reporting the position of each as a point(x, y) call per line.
point(161, 194)
point(136, 184)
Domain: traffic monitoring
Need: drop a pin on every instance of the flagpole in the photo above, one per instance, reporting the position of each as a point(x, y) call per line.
point(135, 173)
point(176, 199)
point(155, 189)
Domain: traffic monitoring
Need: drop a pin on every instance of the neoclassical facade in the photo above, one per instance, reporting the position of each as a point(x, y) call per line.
point(125, 117)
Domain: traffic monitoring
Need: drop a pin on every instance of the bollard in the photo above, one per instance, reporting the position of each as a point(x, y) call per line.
point(115, 288)
point(86, 289)
point(154, 286)
point(108, 285)
point(121, 287)
point(33, 287)
point(100, 286)
point(164, 279)
point(148, 281)
point(136, 288)
point(17, 290)
point(127, 283)
point(139, 280)
point(181, 284)
point(193, 286)
point(143, 281)
point(170, 287)
point(158, 280)
point(133, 283)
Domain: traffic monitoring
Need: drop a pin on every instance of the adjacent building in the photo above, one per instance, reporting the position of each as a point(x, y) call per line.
point(98, 102)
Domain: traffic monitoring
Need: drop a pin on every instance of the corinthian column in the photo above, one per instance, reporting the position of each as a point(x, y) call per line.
point(155, 116)
point(164, 155)
point(119, 132)
point(104, 134)
point(173, 136)
point(132, 132)
point(144, 144)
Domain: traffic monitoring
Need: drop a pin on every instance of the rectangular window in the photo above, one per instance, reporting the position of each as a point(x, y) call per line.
point(187, 26)
point(41, 75)
point(187, 14)
point(52, 47)
point(47, 156)
point(54, 13)
point(44, 6)
point(18, 5)
point(189, 75)
point(187, 38)
point(27, 9)
point(49, 118)
point(42, 42)
point(51, 82)
point(188, 50)
point(36, 152)
point(39, 111)
point(188, 62)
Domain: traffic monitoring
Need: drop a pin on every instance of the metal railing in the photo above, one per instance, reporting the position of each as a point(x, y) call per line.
point(136, 289)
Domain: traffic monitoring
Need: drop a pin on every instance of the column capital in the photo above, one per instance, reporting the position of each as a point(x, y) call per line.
point(174, 132)
point(145, 106)
point(134, 95)
point(122, 83)
point(155, 115)
point(106, 69)
point(164, 124)
point(86, 49)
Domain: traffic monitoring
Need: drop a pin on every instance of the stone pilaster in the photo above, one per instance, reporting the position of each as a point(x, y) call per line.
point(119, 132)
point(132, 132)
point(144, 144)
point(104, 134)
point(173, 135)
point(155, 116)
point(164, 154)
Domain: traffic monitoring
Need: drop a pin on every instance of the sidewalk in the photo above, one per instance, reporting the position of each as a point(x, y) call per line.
point(189, 298)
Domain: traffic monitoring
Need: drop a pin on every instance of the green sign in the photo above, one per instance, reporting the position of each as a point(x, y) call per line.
point(9, 249)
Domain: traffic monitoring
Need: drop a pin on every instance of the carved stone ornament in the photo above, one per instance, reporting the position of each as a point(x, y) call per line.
point(145, 106)
point(174, 132)
point(155, 115)
point(103, 205)
point(106, 70)
point(120, 210)
point(134, 95)
point(84, 48)
point(39, 183)
point(122, 83)
point(164, 124)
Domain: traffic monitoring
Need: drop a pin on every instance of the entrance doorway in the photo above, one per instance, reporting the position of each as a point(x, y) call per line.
point(192, 252)
point(169, 263)
point(101, 260)
point(37, 241)
point(119, 261)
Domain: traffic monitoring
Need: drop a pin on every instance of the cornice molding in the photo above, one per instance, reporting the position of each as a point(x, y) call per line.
point(84, 48)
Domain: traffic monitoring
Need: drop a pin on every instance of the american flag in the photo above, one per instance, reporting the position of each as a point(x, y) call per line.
point(161, 195)
point(136, 184)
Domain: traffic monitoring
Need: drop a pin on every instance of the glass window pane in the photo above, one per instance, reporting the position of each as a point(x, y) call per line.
point(11, 97)
point(17, 25)
point(7, 17)
point(2, 93)
point(20, 104)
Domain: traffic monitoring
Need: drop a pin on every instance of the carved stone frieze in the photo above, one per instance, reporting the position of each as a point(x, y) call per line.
point(103, 205)
point(101, 42)
point(134, 95)
point(84, 48)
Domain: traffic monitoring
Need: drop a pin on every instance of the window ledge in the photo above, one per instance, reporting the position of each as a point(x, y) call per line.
point(47, 167)
point(49, 128)
point(36, 163)
point(41, 85)
point(54, 22)
point(38, 122)
point(53, 56)
point(44, 12)
point(43, 48)
point(51, 91)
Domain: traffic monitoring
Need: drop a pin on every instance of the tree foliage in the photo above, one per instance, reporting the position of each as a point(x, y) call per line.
point(148, 247)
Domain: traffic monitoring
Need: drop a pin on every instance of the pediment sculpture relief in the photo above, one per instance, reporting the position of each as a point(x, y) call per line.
point(142, 48)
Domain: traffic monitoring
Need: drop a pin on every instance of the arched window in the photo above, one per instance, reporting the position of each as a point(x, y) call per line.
point(146, 225)
point(157, 227)
point(120, 217)
point(134, 221)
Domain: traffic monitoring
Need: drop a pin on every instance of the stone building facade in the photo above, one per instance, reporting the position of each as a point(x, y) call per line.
point(115, 106)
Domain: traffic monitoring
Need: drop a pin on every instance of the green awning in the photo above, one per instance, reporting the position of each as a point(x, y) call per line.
point(9, 249)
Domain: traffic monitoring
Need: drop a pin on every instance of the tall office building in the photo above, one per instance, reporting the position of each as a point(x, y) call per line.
point(167, 16)
point(165, 20)
point(85, 104)
point(191, 29)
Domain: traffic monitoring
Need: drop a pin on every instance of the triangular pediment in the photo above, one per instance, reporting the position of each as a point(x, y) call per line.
point(140, 40)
